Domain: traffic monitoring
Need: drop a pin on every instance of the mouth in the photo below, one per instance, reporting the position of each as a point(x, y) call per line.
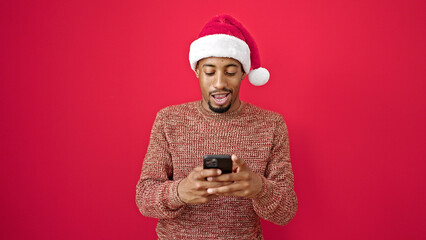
point(220, 98)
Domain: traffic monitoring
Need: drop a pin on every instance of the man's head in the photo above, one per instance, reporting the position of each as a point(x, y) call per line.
point(220, 80)
point(221, 42)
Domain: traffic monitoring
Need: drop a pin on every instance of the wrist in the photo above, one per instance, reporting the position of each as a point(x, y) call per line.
point(178, 194)
point(263, 190)
point(258, 183)
point(180, 191)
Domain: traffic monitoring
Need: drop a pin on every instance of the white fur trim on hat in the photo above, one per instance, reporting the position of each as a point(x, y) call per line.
point(220, 45)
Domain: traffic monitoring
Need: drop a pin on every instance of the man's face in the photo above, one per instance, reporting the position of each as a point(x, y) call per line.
point(220, 80)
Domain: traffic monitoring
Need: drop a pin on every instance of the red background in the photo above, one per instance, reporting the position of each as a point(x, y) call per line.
point(81, 82)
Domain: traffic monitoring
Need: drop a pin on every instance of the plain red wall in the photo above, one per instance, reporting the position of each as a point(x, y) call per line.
point(81, 82)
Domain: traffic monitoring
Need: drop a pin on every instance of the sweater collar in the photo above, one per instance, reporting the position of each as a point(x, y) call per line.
point(223, 116)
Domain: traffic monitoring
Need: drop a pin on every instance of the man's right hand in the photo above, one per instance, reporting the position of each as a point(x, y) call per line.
point(193, 189)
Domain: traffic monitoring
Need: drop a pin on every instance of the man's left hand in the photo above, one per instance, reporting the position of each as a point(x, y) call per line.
point(246, 183)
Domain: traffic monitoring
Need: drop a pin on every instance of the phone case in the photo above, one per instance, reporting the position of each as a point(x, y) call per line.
point(222, 162)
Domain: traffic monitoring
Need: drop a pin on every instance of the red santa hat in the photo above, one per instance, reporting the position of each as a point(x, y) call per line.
point(224, 36)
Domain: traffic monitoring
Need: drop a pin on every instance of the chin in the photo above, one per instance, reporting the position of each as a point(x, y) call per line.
point(221, 109)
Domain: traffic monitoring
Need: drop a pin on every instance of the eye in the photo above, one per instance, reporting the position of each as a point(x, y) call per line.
point(230, 73)
point(209, 73)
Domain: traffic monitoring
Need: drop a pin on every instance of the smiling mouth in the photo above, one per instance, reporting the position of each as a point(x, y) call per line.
point(220, 99)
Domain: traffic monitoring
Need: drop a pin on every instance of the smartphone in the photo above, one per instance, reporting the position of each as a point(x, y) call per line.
point(222, 162)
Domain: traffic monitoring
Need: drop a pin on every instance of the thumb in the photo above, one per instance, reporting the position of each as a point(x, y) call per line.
point(239, 162)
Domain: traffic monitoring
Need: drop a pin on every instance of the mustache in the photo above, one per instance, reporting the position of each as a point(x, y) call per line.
point(223, 90)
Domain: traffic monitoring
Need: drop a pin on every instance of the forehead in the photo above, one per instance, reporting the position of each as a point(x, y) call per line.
point(219, 61)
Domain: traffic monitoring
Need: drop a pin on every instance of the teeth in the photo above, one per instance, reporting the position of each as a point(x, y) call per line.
point(220, 96)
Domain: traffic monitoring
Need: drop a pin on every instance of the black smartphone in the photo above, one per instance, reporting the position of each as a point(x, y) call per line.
point(222, 162)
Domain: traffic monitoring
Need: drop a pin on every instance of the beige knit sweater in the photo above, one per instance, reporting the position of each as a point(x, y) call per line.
point(181, 136)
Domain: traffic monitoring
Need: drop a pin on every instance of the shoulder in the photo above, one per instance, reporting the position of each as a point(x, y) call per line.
point(261, 114)
point(177, 111)
point(267, 119)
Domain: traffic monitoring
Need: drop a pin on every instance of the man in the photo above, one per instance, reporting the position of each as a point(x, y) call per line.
point(195, 203)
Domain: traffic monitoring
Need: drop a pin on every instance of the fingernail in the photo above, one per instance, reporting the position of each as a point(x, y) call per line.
point(209, 190)
point(209, 179)
point(219, 171)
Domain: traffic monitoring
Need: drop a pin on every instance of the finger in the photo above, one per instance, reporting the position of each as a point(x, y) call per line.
point(199, 168)
point(229, 177)
point(195, 173)
point(211, 172)
point(241, 164)
point(217, 184)
point(200, 187)
point(204, 173)
point(225, 189)
point(241, 193)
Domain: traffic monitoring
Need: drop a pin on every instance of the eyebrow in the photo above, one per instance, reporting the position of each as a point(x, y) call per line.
point(211, 65)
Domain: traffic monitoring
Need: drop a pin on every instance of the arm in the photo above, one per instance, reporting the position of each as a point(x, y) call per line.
point(277, 201)
point(156, 192)
point(272, 194)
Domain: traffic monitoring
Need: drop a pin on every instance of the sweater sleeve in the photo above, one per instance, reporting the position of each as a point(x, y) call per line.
point(156, 191)
point(277, 201)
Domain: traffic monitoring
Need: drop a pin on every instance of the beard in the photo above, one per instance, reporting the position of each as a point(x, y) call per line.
point(220, 109)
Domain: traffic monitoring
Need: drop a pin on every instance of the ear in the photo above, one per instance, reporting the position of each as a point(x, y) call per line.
point(196, 71)
point(243, 76)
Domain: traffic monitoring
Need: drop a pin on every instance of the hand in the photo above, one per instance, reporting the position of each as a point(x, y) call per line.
point(193, 189)
point(245, 182)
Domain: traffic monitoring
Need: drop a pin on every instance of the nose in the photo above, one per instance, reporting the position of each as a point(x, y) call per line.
point(220, 81)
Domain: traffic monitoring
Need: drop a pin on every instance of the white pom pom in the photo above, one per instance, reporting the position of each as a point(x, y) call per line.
point(259, 76)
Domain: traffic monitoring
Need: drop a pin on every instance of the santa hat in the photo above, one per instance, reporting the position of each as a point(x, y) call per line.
point(224, 36)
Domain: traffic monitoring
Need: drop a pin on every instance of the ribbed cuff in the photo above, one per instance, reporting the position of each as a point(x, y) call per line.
point(175, 201)
point(262, 197)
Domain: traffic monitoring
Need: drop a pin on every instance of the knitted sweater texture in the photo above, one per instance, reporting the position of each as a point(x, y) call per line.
point(181, 136)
